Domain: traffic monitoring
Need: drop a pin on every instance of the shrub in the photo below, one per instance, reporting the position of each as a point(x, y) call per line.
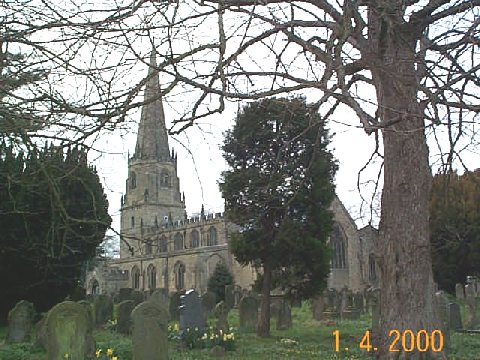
point(221, 276)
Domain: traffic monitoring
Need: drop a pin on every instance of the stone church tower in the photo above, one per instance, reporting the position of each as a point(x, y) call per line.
point(153, 195)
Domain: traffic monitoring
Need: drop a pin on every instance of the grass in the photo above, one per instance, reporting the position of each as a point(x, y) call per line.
point(307, 339)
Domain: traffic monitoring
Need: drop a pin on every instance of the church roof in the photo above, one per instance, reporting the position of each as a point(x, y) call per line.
point(152, 138)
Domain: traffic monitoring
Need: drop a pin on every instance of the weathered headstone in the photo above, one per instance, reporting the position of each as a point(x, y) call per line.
point(191, 312)
point(137, 297)
point(318, 307)
point(149, 332)
point(358, 302)
point(455, 317)
point(160, 296)
point(459, 291)
point(331, 305)
point(69, 331)
point(124, 321)
point(471, 302)
point(174, 306)
point(229, 296)
point(89, 308)
point(237, 295)
point(221, 314)
point(103, 309)
point(209, 300)
point(248, 313)
point(284, 317)
point(124, 294)
point(20, 322)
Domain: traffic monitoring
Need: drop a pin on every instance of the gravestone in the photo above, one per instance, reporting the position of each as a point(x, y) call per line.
point(174, 306)
point(69, 331)
point(470, 300)
point(237, 295)
point(137, 297)
point(20, 322)
point(41, 333)
point(103, 309)
point(318, 306)
point(89, 309)
point(455, 317)
point(149, 333)
point(160, 296)
point(229, 296)
point(191, 312)
point(209, 300)
point(221, 314)
point(459, 291)
point(124, 294)
point(359, 302)
point(331, 304)
point(248, 313)
point(124, 321)
point(284, 317)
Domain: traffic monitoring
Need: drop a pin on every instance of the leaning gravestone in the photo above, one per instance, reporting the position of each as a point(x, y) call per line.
point(191, 312)
point(459, 291)
point(470, 300)
point(284, 317)
point(124, 321)
point(20, 322)
point(221, 313)
point(318, 307)
point(248, 313)
point(149, 334)
point(69, 332)
point(103, 309)
point(455, 317)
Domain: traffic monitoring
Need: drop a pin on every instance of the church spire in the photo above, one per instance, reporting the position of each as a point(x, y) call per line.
point(152, 138)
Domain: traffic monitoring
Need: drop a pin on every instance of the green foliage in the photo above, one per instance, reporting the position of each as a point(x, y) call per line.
point(54, 215)
point(455, 228)
point(199, 339)
point(216, 284)
point(278, 190)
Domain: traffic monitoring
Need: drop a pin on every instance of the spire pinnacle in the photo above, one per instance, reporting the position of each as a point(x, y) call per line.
point(152, 138)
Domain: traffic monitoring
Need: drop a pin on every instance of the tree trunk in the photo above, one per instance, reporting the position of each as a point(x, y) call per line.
point(263, 326)
point(407, 286)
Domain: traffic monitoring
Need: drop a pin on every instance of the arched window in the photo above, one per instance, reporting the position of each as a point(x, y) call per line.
point(133, 180)
point(372, 271)
point(194, 239)
point(133, 222)
point(178, 242)
point(148, 247)
point(145, 195)
point(339, 244)
point(152, 277)
point(179, 275)
point(135, 278)
point(165, 179)
point(212, 236)
point(162, 244)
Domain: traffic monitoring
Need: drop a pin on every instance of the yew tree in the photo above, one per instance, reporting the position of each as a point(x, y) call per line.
point(278, 189)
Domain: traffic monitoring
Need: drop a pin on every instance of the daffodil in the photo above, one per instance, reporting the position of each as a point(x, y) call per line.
point(115, 358)
point(98, 352)
point(66, 356)
point(109, 352)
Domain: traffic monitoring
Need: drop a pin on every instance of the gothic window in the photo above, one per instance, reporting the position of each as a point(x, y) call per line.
point(165, 179)
point(178, 242)
point(133, 221)
point(372, 272)
point(135, 277)
point(145, 195)
point(212, 236)
point(338, 243)
point(133, 180)
point(148, 247)
point(162, 244)
point(194, 239)
point(152, 277)
point(179, 275)
point(95, 287)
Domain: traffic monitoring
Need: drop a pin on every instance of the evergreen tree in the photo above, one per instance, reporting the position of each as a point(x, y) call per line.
point(455, 228)
point(278, 191)
point(53, 215)
point(216, 284)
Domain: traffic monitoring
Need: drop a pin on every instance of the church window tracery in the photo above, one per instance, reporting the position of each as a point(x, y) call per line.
point(178, 242)
point(152, 277)
point(148, 247)
point(179, 275)
point(194, 239)
point(212, 236)
point(338, 243)
point(135, 277)
point(162, 244)
point(133, 180)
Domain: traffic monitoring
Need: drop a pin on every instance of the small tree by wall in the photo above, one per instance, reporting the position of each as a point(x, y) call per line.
point(220, 278)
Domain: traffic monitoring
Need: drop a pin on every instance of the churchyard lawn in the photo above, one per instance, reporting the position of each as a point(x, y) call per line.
point(307, 339)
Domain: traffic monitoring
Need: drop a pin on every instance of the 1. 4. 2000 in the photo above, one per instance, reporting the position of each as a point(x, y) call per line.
point(422, 341)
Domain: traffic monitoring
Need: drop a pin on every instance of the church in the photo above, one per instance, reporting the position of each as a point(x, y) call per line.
point(161, 247)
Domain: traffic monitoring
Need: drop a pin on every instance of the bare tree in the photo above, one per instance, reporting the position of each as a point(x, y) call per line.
point(403, 67)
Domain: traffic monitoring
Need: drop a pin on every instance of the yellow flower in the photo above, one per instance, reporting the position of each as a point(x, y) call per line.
point(109, 352)
point(98, 352)
point(66, 356)
point(175, 327)
point(225, 337)
point(115, 358)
